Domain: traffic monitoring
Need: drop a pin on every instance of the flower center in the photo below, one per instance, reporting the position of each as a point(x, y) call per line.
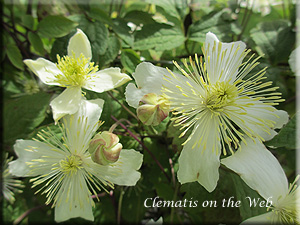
point(74, 70)
point(220, 95)
point(71, 164)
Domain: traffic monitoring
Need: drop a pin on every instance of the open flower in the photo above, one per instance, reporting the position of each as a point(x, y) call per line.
point(262, 172)
point(151, 104)
point(223, 105)
point(63, 168)
point(75, 71)
point(10, 184)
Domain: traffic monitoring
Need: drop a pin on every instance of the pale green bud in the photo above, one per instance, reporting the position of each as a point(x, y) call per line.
point(105, 148)
point(153, 109)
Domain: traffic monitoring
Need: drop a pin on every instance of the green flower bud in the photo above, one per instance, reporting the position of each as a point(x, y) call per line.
point(105, 148)
point(153, 109)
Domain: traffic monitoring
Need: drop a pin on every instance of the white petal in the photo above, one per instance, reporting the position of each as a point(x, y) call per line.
point(66, 103)
point(26, 150)
point(200, 164)
point(149, 79)
point(82, 125)
point(44, 69)
point(124, 171)
point(221, 67)
point(265, 218)
point(260, 118)
point(106, 79)
point(79, 44)
point(78, 203)
point(259, 169)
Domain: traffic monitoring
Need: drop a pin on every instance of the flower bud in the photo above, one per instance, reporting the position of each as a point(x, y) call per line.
point(105, 148)
point(153, 109)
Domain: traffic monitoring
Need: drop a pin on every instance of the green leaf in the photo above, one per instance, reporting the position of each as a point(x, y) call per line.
point(120, 27)
point(36, 42)
point(168, 5)
point(139, 17)
point(60, 46)
point(217, 23)
point(97, 34)
point(98, 14)
point(242, 192)
point(55, 26)
point(28, 21)
point(287, 135)
point(130, 59)
point(29, 111)
point(159, 37)
point(274, 39)
point(15, 56)
point(111, 52)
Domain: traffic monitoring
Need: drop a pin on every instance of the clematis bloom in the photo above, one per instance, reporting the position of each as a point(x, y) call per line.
point(262, 172)
point(147, 97)
point(75, 71)
point(63, 168)
point(222, 104)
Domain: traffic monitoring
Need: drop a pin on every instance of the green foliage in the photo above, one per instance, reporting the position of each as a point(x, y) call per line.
point(123, 34)
point(286, 136)
point(159, 37)
point(269, 38)
point(29, 111)
point(15, 56)
point(55, 26)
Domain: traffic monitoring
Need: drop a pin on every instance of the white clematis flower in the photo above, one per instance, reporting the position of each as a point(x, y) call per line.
point(151, 104)
point(75, 71)
point(10, 184)
point(222, 104)
point(149, 79)
point(262, 172)
point(63, 168)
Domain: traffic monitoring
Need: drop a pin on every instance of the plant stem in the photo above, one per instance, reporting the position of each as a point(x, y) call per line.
point(25, 214)
point(143, 145)
point(120, 205)
point(124, 107)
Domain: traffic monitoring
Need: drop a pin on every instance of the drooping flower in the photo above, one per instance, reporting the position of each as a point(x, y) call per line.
point(75, 71)
point(10, 184)
point(223, 104)
point(262, 172)
point(151, 104)
point(63, 168)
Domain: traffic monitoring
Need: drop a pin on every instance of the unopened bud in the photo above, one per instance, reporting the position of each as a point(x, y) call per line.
point(105, 148)
point(153, 109)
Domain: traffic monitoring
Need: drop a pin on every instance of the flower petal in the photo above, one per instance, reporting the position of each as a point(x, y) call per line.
point(222, 67)
point(106, 79)
point(66, 103)
point(82, 125)
point(124, 171)
point(73, 199)
point(26, 150)
point(44, 69)
point(200, 164)
point(265, 218)
point(259, 118)
point(149, 79)
point(80, 44)
point(259, 169)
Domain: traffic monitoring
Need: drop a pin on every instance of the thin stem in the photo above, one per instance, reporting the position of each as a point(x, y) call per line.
point(172, 171)
point(120, 205)
point(25, 214)
point(141, 143)
point(124, 107)
point(174, 199)
point(113, 127)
